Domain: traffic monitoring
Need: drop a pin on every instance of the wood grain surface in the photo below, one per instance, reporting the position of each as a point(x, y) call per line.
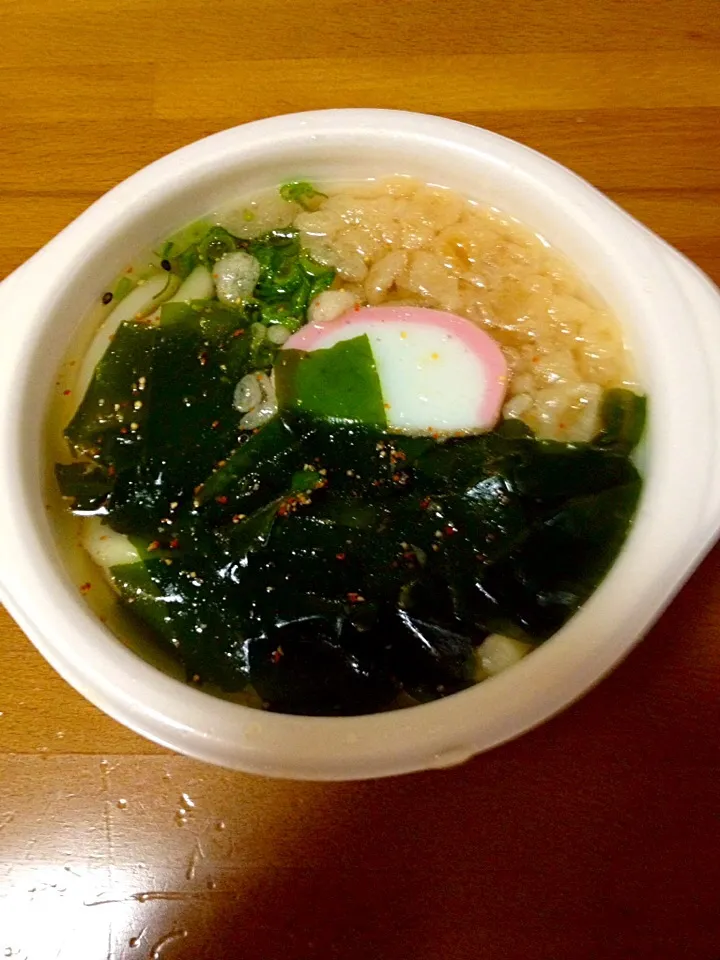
point(597, 836)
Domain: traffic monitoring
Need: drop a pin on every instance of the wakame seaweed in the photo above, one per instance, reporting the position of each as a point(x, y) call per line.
point(326, 561)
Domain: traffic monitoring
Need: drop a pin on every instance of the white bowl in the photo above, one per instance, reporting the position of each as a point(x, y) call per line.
point(670, 311)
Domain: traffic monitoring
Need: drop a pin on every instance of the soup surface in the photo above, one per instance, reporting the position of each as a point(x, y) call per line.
point(338, 449)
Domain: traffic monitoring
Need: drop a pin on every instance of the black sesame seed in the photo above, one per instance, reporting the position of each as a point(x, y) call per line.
point(166, 265)
point(106, 297)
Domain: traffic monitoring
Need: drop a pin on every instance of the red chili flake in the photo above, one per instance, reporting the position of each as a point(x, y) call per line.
point(221, 499)
point(277, 655)
point(356, 308)
point(449, 531)
point(66, 393)
point(355, 598)
point(155, 545)
point(123, 429)
point(203, 358)
point(215, 424)
point(562, 426)
point(111, 471)
point(84, 587)
point(536, 359)
point(339, 556)
point(425, 503)
point(238, 333)
point(174, 544)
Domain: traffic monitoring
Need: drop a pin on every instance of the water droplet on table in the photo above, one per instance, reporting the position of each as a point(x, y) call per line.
point(134, 941)
point(156, 951)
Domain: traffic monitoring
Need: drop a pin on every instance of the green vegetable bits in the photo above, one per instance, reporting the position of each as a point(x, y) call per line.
point(289, 277)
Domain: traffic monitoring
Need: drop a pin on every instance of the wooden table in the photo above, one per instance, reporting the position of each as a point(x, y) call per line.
point(596, 836)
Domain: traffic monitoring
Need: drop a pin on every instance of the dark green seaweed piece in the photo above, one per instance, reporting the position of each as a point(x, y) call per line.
point(159, 412)
point(320, 667)
point(360, 459)
point(537, 469)
point(553, 470)
point(459, 464)
point(262, 464)
point(190, 612)
point(562, 559)
point(107, 427)
point(252, 533)
point(190, 424)
point(430, 658)
point(622, 415)
point(87, 484)
point(514, 429)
